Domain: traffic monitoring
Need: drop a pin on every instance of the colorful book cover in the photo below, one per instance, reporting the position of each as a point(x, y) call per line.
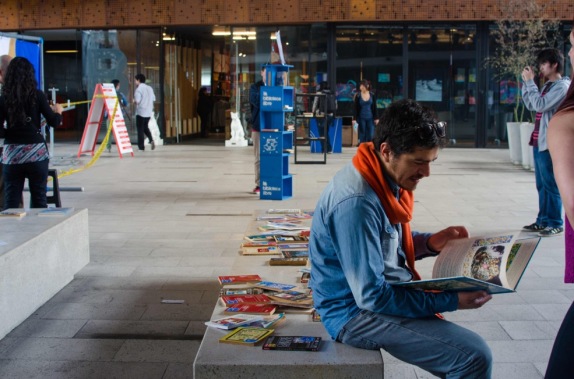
point(273, 286)
point(232, 322)
point(257, 309)
point(301, 343)
point(232, 300)
point(246, 336)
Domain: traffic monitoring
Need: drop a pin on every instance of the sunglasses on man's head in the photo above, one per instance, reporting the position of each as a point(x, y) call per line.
point(439, 128)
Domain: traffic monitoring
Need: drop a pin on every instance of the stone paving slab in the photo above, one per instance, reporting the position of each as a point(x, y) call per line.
point(145, 245)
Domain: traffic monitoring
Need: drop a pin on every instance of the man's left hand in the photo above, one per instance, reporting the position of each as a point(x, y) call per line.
point(438, 240)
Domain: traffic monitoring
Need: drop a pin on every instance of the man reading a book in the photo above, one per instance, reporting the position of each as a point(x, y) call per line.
point(361, 244)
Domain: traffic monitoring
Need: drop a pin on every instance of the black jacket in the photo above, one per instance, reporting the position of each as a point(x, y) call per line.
point(358, 106)
point(28, 133)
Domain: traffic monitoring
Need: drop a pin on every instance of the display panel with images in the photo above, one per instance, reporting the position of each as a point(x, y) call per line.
point(429, 84)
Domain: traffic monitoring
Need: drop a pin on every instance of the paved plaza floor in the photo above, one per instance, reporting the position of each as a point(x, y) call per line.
point(165, 223)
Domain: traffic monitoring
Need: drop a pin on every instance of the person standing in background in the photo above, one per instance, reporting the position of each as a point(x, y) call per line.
point(4, 62)
point(365, 111)
point(122, 102)
point(560, 142)
point(143, 98)
point(254, 102)
point(545, 102)
point(25, 154)
point(327, 104)
point(204, 107)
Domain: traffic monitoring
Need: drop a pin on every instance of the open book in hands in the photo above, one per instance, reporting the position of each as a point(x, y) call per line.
point(492, 263)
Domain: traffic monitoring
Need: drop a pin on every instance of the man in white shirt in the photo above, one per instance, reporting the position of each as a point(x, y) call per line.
point(143, 98)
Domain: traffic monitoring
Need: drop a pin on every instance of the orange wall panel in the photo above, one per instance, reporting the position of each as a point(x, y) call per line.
point(46, 14)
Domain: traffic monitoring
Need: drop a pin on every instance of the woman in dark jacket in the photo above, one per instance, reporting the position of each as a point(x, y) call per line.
point(25, 152)
point(365, 111)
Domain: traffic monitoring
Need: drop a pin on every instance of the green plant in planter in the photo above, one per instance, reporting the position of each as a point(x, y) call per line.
point(522, 30)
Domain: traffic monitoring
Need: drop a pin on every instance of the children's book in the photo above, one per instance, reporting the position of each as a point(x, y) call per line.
point(233, 300)
point(273, 286)
point(293, 343)
point(493, 263)
point(48, 212)
point(254, 309)
point(246, 336)
point(232, 322)
point(235, 279)
point(13, 212)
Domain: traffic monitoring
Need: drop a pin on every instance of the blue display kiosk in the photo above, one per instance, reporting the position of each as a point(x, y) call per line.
point(275, 143)
point(335, 133)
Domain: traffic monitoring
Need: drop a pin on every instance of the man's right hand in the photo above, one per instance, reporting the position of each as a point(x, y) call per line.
point(473, 300)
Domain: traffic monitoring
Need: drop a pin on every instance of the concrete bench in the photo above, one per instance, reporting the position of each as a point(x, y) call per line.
point(334, 360)
point(38, 257)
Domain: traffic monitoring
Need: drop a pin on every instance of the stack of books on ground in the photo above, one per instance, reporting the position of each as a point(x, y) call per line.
point(262, 297)
point(266, 246)
point(247, 320)
point(294, 250)
point(239, 285)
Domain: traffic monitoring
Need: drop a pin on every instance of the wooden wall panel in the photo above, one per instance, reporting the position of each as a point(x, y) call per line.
point(362, 9)
point(45, 14)
point(117, 13)
point(261, 12)
point(10, 15)
point(187, 12)
point(29, 15)
point(236, 15)
point(94, 13)
point(285, 11)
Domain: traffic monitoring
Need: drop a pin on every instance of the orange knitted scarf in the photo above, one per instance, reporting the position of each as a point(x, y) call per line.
point(369, 165)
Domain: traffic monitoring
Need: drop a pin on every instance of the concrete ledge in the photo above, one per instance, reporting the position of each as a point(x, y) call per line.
point(334, 360)
point(38, 257)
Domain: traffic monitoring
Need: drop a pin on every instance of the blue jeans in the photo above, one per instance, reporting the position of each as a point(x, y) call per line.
point(549, 202)
point(14, 177)
point(366, 129)
point(441, 347)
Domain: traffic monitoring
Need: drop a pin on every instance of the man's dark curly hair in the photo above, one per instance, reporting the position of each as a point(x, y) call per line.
point(19, 90)
point(403, 126)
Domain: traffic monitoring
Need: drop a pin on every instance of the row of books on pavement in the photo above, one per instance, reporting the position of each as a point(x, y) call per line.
point(255, 308)
point(284, 235)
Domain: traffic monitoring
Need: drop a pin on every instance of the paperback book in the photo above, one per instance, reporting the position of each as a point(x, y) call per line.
point(255, 309)
point(292, 343)
point(235, 279)
point(273, 286)
point(233, 300)
point(493, 263)
point(246, 336)
point(232, 322)
point(260, 250)
point(13, 212)
point(301, 261)
point(268, 321)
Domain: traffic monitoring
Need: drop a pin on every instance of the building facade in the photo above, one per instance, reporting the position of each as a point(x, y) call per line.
point(433, 52)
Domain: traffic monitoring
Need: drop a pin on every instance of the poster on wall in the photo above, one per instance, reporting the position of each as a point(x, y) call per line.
point(31, 49)
point(428, 84)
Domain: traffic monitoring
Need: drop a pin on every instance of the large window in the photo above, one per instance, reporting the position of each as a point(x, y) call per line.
point(373, 54)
